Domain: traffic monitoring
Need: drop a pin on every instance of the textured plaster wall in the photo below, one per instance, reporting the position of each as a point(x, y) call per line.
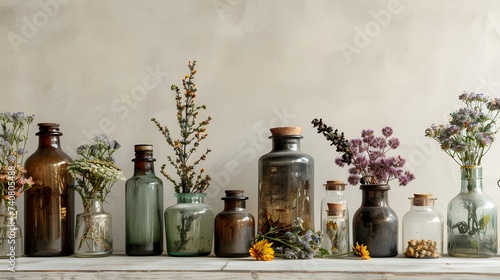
point(107, 66)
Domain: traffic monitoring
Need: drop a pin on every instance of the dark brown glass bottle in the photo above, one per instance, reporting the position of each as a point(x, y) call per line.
point(49, 204)
point(234, 228)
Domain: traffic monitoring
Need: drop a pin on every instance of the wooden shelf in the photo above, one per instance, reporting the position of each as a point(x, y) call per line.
point(120, 266)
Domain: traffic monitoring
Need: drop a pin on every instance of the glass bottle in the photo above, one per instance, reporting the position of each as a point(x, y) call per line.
point(234, 228)
point(286, 182)
point(375, 223)
point(335, 194)
point(144, 206)
point(49, 203)
point(94, 235)
point(423, 228)
point(189, 226)
point(335, 227)
point(472, 218)
point(11, 243)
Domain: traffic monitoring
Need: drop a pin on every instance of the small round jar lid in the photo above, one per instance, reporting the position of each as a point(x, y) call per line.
point(48, 124)
point(335, 209)
point(235, 195)
point(286, 130)
point(48, 128)
point(143, 147)
point(422, 199)
point(335, 185)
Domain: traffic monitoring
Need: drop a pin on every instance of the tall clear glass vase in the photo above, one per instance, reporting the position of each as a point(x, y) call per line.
point(472, 218)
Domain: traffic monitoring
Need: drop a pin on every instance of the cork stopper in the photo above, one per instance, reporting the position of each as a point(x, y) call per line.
point(335, 206)
point(143, 152)
point(422, 199)
point(335, 209)
point(286, 130)
point(235, 195)
point(335, 185)
point(143, 147)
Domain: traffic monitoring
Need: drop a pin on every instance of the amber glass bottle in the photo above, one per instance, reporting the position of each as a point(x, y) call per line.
point(49, 204)
point(234, 228)
point(144, 206)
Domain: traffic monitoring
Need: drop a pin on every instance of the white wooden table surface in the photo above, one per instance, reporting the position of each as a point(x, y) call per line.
point(165, 267)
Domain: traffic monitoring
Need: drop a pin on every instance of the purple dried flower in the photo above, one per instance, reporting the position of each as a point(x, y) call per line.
point(340, 162)
point(11, 159)
point(387, 131)
point(353, 180)
point(471, 130)
point(393, 143)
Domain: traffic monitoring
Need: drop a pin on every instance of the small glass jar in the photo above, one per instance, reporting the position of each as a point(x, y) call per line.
point(335, 229)
point(423, 228)
point(335, 194)
point(234, 228)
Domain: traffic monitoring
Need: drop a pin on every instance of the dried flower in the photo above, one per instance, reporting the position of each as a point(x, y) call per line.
point(368, 156)
point(471, 131)
point(292, 242)
point(95, 171)
point(13, 137)
point(358, 250)
point(361, 251)
point(262, 251)
point(192, 134)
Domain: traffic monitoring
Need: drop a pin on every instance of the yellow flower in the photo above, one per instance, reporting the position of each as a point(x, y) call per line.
point(262, 251)
point(361, 251)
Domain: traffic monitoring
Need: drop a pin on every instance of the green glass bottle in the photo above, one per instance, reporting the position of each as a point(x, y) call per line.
point(144, 206)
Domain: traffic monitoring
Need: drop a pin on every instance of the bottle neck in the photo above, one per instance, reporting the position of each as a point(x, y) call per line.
point(94, 204)
point(48, 141)
point(375, 195)
point(234, 205)
point(190, 197)
point(144, 168)
point(335, 193)
point(290, 143)
point(472, 179)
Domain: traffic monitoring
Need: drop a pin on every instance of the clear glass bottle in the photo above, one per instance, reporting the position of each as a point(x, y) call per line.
point(94, 234)
point(423, 228)
point(335, 227)
point(335, 194)
point(286, 182)
point(49, 204)
point(234, 227)
point(144, 206)
point(472, 218)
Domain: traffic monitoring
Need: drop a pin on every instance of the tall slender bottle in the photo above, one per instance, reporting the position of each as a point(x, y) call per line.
point(49, 204)
point(144, 206)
